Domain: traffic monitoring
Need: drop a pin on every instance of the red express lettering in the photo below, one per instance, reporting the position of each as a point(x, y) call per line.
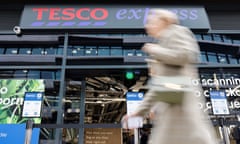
point(71, 13)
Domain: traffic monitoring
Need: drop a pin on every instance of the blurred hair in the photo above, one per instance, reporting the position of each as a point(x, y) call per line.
point(165, 14)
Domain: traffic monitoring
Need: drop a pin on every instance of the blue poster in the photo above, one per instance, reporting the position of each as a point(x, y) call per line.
point(15, 134)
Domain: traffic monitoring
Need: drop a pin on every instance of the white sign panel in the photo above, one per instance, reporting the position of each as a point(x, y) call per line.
point(133, 101)
point(219, 102)
point(32, 104)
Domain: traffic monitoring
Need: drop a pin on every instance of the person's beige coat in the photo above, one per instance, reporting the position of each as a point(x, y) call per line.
point(185, 123)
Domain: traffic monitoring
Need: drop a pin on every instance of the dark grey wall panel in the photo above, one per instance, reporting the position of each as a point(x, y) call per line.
point(224, 20)
point(9, 19)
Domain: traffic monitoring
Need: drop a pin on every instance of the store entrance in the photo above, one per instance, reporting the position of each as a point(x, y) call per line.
point(96, 99)
point(104, 92)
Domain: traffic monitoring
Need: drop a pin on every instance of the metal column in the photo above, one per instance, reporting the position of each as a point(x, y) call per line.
point(82, 112)
point(58, 134)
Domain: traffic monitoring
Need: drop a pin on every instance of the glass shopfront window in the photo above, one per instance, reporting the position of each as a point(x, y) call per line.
point(33, 74)
point(207, 37)
point(20, 74)
point(103, 50)
point(227, 39)
point(236, 42)
point(203, 57)
point(212, 57)
point(140, 53)
point(37, 51)
point(71, 103)
point(217, 38)
point(116, 51)
point(78, 51)
point(60, 50)
point(50, 51)
point(233, 60)
point(222, 58)
point(198, 36)
point(12, 51)
point(91, 51)
point(104, 100)
point(47, 75)
point(129, 52)
point(27, 51)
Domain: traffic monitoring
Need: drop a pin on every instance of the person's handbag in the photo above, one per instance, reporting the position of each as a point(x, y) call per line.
point(170, 89)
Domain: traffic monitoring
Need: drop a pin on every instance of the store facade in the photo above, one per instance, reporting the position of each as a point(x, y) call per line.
point(83, 54)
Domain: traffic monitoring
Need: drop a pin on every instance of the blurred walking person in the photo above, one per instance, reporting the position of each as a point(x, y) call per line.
point(171, 68)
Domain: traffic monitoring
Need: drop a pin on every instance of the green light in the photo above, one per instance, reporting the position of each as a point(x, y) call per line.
point(129, 75)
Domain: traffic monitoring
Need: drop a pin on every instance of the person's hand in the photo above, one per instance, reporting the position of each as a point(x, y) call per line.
point(151, 115)
point(124, 120)
point(126, 117)
point(147, 47)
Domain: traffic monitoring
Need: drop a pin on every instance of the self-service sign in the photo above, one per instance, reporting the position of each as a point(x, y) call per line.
point(219, 102)
point(134, 99)
point(32, 104)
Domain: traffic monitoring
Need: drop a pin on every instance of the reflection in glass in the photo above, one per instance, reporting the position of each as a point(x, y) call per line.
point(207, 37)
point(103, 50)
point(227, 39)
point(198, 36)
point(35, 74)
point(77, 51)
point(72, 102)
point(25, 51)
point(222, 58)
point(232, 60)
point(60, 50)
point(50, 51)
point(116, 51)
point(203, 57)
point(11, 51)
point(90, 50)
point(2, 50)
point(217, 37)
point(58, 74)
point(37, 51)
point(6, 74)
point(70, 135)
point(129, 52)
point(140, 53)
point(20, 74)
point(104, 100)
point(236, 42)
point(47, 75)
point(212, 57)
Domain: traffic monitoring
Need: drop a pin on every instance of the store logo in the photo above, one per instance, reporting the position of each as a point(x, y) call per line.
point(97, 16)
point(70, 16)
